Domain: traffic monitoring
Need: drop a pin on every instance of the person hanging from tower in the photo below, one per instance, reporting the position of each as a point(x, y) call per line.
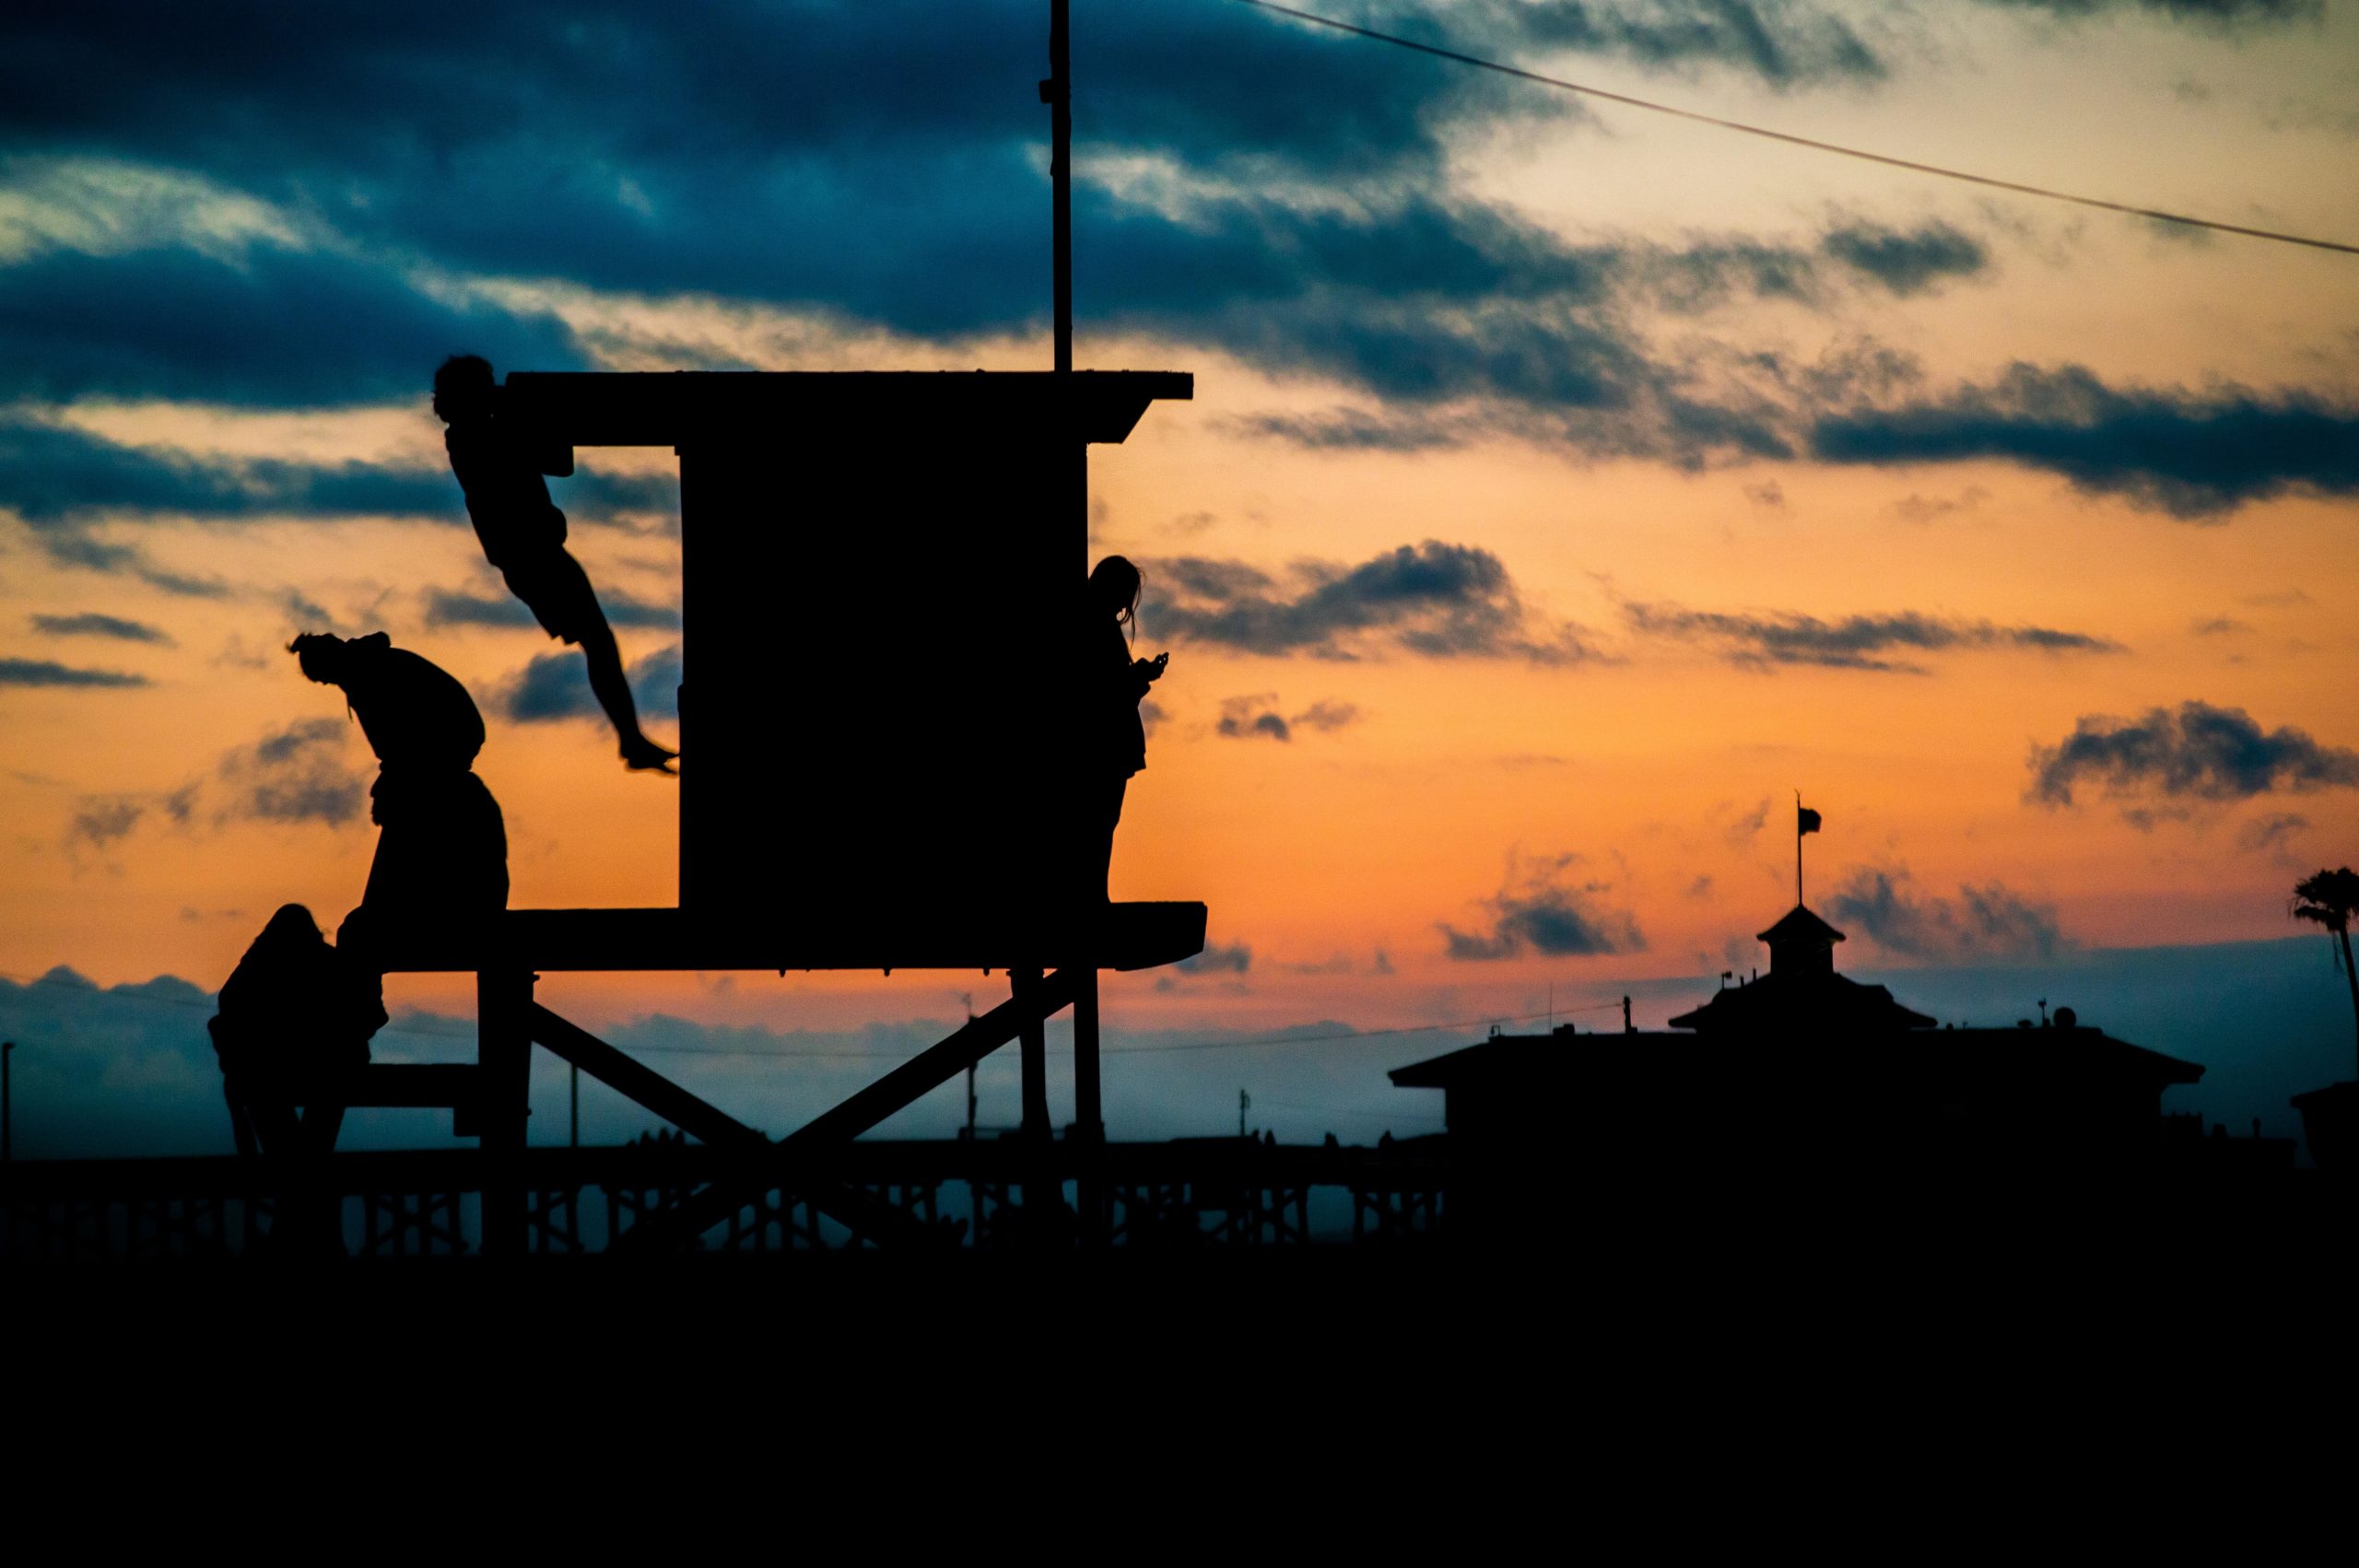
point(523, 535)
point(1115, 684)
point(443, 846)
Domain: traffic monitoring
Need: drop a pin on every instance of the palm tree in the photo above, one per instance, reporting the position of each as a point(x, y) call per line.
point(2330, 899)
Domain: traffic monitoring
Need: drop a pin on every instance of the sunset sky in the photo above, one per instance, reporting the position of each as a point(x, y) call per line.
point(1565, 487)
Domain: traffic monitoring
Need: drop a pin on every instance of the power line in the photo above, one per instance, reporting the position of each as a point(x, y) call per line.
point(1807, 142)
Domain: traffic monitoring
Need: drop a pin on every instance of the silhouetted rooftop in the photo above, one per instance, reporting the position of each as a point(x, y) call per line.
point(663, 408)
point(1819, 1000)
point(2027, 1054)
point(1799, 923)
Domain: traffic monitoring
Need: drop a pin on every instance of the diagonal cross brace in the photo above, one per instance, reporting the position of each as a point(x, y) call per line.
point(898, 1089)
point(741, 1145)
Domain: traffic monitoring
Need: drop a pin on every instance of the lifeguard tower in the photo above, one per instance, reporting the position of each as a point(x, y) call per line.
point(883, 591)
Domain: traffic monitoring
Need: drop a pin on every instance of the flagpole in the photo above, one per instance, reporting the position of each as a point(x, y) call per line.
point(1798, 849)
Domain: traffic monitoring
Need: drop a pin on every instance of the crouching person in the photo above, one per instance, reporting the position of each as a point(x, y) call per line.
point(292, 1033)
point(442, 863)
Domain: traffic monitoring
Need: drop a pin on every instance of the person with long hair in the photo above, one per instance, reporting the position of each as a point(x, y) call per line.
point(1116, 737)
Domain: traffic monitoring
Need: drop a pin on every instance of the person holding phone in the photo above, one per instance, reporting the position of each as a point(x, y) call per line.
point(1118, 684)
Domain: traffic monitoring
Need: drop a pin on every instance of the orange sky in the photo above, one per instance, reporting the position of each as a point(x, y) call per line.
point(1337, 857)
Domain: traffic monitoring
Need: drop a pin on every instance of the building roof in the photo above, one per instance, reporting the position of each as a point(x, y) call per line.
point(1823, 1002)
point(1799, 923)
point(2053, 1054)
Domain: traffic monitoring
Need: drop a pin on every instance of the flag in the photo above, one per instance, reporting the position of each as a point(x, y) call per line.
point(1806, 820)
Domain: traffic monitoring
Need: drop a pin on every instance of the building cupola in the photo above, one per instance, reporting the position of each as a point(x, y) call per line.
point(1800, 943)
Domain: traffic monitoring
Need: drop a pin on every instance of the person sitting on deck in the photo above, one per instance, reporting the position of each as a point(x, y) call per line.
point(1115, 740)
point(443, 852)
point(293, 1028)
point(524, 535)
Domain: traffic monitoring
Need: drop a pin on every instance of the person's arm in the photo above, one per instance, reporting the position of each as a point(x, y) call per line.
point(1144, 673)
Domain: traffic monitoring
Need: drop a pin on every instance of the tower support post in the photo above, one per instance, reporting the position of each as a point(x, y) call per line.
point(504, 1046)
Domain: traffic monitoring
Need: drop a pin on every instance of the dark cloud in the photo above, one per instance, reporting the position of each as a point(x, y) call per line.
point(1854, 642)
point(1784, 45)
point(2199, 753)
point(628, 614)
point(874, 162)
point(99, 823)
point(2222, 15)
point(296, 775)
point(49, 672)
point(2193, 455)
point(2271, 831)
point(1234, 958)
point(60, 479)
point(1746, 825)
point(2219, 626)
point(273, 327)
point(73, 548)
point(53, 474)
point(345, 102)
point(1915, 261)
point(1246, 718)
point(1327, 715)
point(1540, 910)
point(92, 624)
point(1984, 924)
point(454, 607)
point(1352, 429)
point(1434, 600)
point(556, 686)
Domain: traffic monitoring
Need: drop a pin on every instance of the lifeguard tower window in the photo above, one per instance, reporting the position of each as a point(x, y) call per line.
point(884, 577)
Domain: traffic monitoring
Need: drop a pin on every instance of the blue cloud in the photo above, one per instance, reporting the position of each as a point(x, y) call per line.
point(556, 686)
point(879, 161)
point(274, 327)
point(49, 672)
point(1540, 910)
point(1759, 639)
point(53, 474)
point(92, 624)
point(2199, 752)
point(1434, 599)
point(2193, 455)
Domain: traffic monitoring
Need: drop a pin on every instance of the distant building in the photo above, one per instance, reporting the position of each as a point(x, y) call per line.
point(1800, 1077)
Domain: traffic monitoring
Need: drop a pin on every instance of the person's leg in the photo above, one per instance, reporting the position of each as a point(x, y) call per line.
point(558, 591)
point(612, 691)
point(1113, 807)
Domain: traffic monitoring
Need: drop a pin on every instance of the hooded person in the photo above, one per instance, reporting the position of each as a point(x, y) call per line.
point(291, 1031)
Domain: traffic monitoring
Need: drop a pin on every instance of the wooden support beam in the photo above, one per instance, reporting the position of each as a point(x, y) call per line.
point(1033, 1051)
point(1121, 936)
point(643, 1084)
point(1088, 1113)
point(437, 1085)
point(778, 1166)
point(504, 1052)
point(932, 1067)
point(708, 1124)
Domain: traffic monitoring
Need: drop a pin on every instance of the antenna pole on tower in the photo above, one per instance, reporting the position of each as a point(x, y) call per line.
point(1057, 93)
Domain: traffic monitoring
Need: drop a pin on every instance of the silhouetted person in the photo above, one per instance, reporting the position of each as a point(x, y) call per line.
point(293, 1027)
point(1115, 737)
point(442, 848)
point(523, 534)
